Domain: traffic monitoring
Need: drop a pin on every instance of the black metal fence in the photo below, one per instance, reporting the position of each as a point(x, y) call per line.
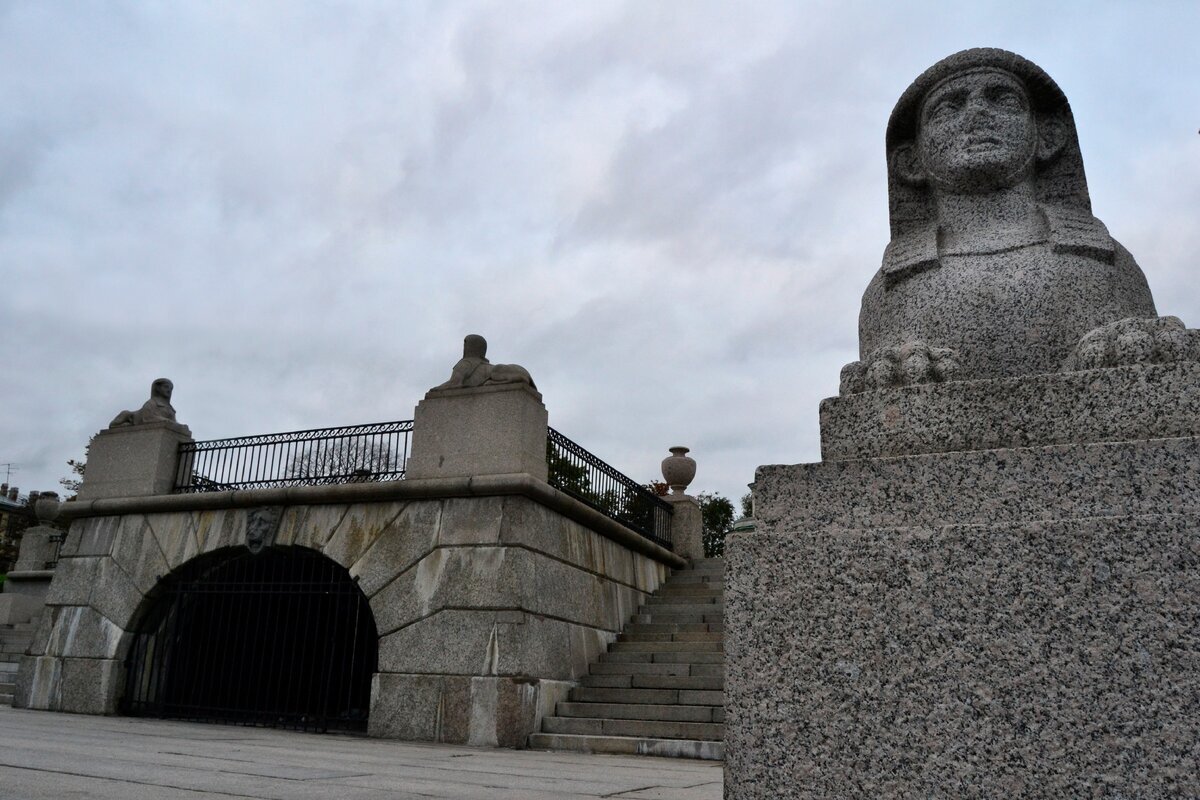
point(584, 476)
point(351, 454)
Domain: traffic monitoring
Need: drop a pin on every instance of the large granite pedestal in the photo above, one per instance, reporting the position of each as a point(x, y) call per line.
point(988, 621)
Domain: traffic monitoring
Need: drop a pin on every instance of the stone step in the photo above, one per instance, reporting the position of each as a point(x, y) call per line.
point(11, 658)
point(9, 666)
point(687, 604)
point(654, 681)
point(667, 647)
point(687, 697)
point(685, 636)
point(675, 713)
point(690, 590)
point(675, 627)
point(660, 617)
point(643, 668)
point(647, 728)
point(695, 577)
point(629, 745)
point(6, 697)
point(627, 657)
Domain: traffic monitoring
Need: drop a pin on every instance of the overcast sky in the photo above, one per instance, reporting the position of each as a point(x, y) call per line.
point(666, 211)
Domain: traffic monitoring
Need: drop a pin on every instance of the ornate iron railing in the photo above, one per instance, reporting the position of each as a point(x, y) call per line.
point(582, 475)
point(351, 454)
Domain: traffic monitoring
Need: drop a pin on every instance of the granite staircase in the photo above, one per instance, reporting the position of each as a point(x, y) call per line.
point(14, 641)
point(660, 688)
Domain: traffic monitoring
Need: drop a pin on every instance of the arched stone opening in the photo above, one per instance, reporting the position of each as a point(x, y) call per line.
point(283, 638)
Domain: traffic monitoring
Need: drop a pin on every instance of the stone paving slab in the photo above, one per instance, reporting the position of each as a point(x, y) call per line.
point(52, 756)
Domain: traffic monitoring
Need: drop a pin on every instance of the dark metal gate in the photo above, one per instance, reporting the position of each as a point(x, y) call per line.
point(284, 638)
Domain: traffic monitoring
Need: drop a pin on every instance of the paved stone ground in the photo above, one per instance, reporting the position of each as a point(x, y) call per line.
point(52, 756)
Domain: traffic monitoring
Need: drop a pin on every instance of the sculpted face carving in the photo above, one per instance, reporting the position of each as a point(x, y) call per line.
point(996, 266)
point(977, 133)
point(162, 389)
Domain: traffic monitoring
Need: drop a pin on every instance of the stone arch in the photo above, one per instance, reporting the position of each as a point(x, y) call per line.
point(281, 637)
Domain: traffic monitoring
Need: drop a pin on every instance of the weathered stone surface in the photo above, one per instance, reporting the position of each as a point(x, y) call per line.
point(90, 537)
point(512, 643)
point(1051, 659)
point(91, 685)
point(1103, 405)
point(472, 520)
point(358, 530)
point(220, 528)
point(490, 430)
point(133, 461)
point(528, 524)
point(1158, 476)
point(427, 708)
point(996, 265)
point(310, 526)
point(411, 535)
point(492, 578)
point(17, 608)
point(81, 632)
point(176, 537)
point(482, 711)
point(138, 554)
point(73, 582)
point(39, 548)
point(39, 683)
point(41, 632)
point(115, 596)
point(687, 526)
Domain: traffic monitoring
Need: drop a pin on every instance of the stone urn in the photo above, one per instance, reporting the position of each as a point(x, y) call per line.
point(678, 469)
point(46, 507)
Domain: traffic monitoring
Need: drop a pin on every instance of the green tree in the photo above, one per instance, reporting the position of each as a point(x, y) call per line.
point(73, 481)
point(716, 513)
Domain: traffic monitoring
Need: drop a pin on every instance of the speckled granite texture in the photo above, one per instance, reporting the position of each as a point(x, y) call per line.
point(1103, 405)
point(1048, 659)
point(1157, 476)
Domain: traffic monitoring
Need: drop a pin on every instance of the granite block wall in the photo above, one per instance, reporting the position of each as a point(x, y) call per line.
point(487, 608)
point(1035, 659)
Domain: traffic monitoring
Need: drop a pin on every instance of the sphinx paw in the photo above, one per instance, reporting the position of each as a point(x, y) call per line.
point(1135, 340)
point(903, 365)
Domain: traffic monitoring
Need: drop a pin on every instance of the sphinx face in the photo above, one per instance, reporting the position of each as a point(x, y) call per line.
point(977, 133)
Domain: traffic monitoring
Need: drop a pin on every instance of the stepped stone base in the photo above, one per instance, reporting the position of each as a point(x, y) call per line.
point(990, 589)
point(1051, 659)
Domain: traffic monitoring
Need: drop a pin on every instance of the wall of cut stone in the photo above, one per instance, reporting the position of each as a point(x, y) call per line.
point(488, 608)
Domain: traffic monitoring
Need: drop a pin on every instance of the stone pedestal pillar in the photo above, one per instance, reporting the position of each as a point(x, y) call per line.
point(487, 430)
point(687, 526)
point(133, 460)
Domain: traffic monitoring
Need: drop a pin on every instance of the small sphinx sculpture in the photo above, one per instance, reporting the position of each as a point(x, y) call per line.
point(996, 266)
point(157, 409)
point(474, 370)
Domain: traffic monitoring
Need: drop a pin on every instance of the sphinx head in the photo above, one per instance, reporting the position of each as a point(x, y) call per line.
point(162, 389)
point(474, 346)
point(980, 121)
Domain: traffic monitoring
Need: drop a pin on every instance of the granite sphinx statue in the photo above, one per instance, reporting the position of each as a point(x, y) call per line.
point(157, 409)
point(996, 265)
point(474, 370)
